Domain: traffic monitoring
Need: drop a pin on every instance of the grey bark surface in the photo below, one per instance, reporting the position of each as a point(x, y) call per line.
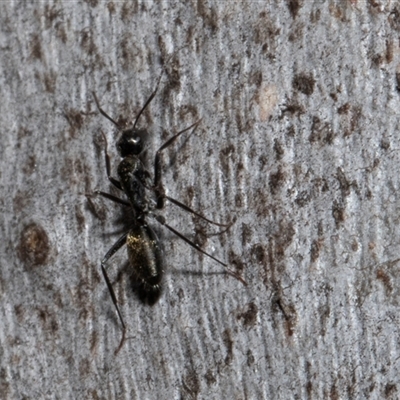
point(298, 143)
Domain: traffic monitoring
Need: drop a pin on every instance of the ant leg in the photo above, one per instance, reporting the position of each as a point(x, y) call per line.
point(114, 181)
point(106, 195)
point(161, 220)
point(158, 187)
point(188, 209)
point(119, 243)
point(112, 198)
point(91, 205)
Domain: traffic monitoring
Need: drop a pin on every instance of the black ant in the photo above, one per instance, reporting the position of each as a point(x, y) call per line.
point(144, 251)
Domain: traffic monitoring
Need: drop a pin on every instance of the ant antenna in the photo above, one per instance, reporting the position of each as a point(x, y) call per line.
point(102, 112)
point(158, 83)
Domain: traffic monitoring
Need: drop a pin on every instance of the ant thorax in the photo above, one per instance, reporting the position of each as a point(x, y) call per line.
point(132, 175)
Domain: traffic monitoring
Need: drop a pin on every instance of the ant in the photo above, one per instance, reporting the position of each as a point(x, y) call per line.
point(144, 250)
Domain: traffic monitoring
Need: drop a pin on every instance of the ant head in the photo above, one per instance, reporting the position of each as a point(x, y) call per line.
point(131, 142)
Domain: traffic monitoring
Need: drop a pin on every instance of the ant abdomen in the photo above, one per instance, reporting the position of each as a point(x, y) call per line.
point(145, 256)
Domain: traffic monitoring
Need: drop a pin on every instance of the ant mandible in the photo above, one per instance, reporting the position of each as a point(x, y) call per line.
point(144, 251)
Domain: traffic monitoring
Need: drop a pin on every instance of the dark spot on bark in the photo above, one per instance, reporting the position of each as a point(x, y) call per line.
point(319, 185)
point(321, 132)
point(343, 182)
point(49, 80)
point(250, 358)
point(292, 108)
point(249, 316)
point(377, 60)
point(296, 33)
point(191, 384)
point(265, 31)
point(344, 109)
point(92, 3)
point(5, 387)
point(290, 131)
point(320, 229)
point(385, 279)
point(389, 51)
point(47, 319)
point(200, 236)
point(80, 219)
point(181, 294)
point(239, 200)
point(246, 234)
point(398, 81)
point(226, 337)
point(294, 7)
point(276, 181)
point(333, 96)
point(304, 83)
point(34, 246)
point(128, 51)
point(334, 395)
point(315, 16)
point(303, 198)
point(36, 48)
point(94, 340)
point(279, 241)
point(50, 15)
point(314, 251)
point(352, 120)
point(394, 19)
point(60, 32)
point(374, 6)
point(84, 367)
point(210, 378)
point(309, 388)
point(224, 157)
point(338, 10)
point(208, 14)
point(87, 42)
point(174, 76)
point(289, 313)
point(256, 78)
point(128, 10)
point(338, 212)
point(188, 111)
point(190, 192)
point(236, 262)
point(20, 201)
point(279, 150)
point(264, 48)
point(263, 160)
point(74, 118)
point(111, 7)
point(385, 144)
point(324, 312)
point(258, 253)
point(19, 310)
point(390, 389)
